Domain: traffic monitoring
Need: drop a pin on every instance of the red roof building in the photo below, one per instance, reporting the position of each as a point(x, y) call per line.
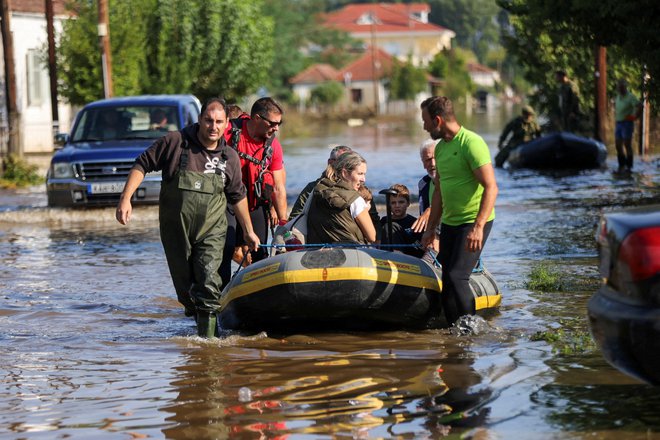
point(402, 30)
point(364, 80)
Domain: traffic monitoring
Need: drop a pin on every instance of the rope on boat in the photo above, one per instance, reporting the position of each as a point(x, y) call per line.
point(477, 269)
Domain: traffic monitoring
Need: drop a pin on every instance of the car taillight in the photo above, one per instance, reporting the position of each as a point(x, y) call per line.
point(640, 252)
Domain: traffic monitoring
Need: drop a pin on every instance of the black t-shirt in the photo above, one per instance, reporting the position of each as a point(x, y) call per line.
point(401, 234)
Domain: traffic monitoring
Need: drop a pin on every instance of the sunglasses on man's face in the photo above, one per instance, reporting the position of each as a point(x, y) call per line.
point(271, 123)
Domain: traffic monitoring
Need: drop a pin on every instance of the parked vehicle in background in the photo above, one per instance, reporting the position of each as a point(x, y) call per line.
point(91, 167)
point(624, 314)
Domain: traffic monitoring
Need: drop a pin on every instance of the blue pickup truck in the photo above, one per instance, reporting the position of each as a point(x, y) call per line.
point(93, 161)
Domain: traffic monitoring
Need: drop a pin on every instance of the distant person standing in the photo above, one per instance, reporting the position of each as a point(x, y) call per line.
point(627, 108)
point(568, 95)
point(463, 203)
point(521, 129)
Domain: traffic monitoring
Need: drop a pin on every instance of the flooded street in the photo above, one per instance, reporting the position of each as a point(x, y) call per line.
point(93, 344)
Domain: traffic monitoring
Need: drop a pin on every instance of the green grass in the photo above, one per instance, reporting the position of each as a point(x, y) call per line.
point(18, 173)
point(572, 337)
point(547, 278)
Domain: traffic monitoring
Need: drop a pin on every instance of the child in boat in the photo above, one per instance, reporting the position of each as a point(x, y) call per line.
point(401, 223)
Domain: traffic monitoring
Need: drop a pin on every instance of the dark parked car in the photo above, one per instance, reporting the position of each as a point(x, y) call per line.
point(624, 314)
point(91, 167)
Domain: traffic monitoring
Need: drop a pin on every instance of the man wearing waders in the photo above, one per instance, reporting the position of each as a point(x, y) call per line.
point(200, 175)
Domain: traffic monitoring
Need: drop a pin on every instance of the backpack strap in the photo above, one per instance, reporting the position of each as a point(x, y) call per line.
point(237, 127)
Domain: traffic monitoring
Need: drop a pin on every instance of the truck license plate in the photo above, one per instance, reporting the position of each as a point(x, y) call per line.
point(105, 188)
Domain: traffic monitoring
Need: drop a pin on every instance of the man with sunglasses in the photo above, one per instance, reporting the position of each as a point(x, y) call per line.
point(262, 166)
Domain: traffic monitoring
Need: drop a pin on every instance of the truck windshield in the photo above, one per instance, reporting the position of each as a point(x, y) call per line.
point(125, 122)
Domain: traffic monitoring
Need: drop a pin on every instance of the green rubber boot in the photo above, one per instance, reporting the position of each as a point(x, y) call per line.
point(207, 324)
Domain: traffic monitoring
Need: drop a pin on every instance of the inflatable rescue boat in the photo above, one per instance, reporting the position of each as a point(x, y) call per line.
point(342, 288)
point(559, 151)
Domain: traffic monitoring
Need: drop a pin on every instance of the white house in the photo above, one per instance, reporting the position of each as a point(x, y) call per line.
point(401, 30)
point(483, 76)
point(28, 28)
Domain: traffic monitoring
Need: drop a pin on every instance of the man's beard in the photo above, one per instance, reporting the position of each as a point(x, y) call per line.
point(436, 134)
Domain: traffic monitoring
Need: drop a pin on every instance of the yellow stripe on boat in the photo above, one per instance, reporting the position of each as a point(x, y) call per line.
point(269, 278)
point(487, 301)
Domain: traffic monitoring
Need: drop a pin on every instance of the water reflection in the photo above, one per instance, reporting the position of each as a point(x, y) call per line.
point(93, 343)
point(327, 384)
point(590, 407)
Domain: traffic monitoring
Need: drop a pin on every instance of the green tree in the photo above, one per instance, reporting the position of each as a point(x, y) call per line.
point(302, 41)
point(545, 36)
point(406, 81)
point(451, 67)
point(328, 93)
point(474, 22)
point(79, 60)
point(205, 47)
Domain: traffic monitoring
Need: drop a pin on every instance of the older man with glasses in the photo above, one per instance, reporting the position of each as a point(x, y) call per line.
point(254, 138)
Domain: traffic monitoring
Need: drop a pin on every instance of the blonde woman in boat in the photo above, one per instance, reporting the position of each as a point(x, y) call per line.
point(338, 214)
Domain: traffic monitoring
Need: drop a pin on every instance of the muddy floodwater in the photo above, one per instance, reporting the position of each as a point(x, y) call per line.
point(93, 344)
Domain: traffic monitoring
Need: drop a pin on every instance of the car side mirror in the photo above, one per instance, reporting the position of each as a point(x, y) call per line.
point(60, 140)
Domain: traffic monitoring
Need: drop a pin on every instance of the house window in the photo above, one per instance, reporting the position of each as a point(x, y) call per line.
point(36, 78)
point(356, 96)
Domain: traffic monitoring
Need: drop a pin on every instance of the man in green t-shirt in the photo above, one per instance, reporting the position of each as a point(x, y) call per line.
point(463, 202)
point(627, 108)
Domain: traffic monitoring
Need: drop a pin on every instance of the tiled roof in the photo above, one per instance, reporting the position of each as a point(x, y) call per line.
point(39, 6)
point(362, 68)
point(316, 73)
point(388, 17)
point(480, 68)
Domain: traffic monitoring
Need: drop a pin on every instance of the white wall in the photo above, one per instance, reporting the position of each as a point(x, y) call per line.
point(29, 33)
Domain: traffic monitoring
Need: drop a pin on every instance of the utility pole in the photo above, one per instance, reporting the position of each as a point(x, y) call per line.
point(104, 42)
point(646, 114)
point(374, 65)
point(52, 70)
point(14, 146)
point(601, 93)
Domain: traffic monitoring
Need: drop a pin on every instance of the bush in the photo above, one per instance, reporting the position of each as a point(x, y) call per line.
point(19, 173)
point(328, 93)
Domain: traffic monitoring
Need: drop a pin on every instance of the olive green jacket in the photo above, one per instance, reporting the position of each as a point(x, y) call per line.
point(329, 219)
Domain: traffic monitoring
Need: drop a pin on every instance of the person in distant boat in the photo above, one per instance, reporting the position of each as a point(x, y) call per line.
point(201, 174)
point(521, 129)
point(627, 108)
point(463, 203)
point(568, 96)
point(402, 223)
point(338, 214)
